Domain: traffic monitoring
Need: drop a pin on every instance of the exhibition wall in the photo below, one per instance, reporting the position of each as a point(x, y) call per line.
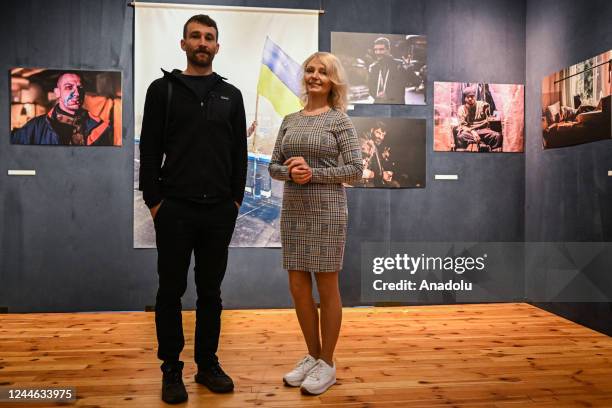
point(66, 233)
point(568, 196)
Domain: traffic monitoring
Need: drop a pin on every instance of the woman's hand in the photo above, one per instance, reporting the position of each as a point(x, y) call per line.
point(301, 174)
point(299, 171)
point(295, 161)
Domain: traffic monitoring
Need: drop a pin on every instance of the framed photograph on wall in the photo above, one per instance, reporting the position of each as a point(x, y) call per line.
point(393, 152)
point(576, 103)
point(65, 107)
point(383, 68)
point(479, 117)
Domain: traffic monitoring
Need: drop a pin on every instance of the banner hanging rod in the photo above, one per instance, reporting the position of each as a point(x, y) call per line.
point(226, 8)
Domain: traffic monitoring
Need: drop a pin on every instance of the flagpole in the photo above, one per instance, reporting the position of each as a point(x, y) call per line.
point(256, 106)
point(256, 117)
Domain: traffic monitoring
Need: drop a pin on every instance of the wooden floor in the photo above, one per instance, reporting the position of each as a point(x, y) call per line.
point(496, 355)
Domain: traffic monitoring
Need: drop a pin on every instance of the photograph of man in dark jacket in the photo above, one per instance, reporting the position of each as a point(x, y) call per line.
point(67, 123)
point(193, 160)
point(387, 76)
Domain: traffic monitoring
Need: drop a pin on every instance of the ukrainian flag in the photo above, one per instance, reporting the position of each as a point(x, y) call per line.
point(280, 79)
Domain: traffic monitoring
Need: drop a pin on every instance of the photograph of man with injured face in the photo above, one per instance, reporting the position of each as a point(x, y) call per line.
point(65, 107)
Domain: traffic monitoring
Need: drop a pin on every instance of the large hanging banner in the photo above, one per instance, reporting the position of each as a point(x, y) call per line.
point(261, 51)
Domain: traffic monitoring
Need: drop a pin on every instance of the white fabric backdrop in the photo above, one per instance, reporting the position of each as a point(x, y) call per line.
point(242, 34)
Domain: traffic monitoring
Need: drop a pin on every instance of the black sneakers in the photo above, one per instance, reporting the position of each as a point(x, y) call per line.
point(173, 389)
point(214, 378)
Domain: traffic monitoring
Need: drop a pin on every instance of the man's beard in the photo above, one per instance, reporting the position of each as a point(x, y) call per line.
point(203, 63)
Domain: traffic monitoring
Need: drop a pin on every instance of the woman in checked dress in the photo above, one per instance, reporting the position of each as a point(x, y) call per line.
point(314, 215)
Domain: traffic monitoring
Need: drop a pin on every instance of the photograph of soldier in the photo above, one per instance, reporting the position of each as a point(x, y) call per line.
point(65, 107)
point(474, 126)
point(393, 152)
point(478, 117)
point(383, 68)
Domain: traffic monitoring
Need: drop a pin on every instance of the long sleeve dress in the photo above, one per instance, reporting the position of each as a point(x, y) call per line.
point(314, 215)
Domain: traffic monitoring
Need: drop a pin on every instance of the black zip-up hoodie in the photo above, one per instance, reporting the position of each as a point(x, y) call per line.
point(204, 144)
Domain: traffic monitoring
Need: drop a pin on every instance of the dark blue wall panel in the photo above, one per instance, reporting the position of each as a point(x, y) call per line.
point(568, 192)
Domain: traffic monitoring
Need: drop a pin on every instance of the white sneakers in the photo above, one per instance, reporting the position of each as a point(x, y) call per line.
point(319, 379)
point(295, 377)
point(313, 376)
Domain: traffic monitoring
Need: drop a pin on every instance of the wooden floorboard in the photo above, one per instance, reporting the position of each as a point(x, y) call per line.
point(487, 355)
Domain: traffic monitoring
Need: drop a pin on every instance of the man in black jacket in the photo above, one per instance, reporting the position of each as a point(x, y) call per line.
point(193, 160)
point(387, 76)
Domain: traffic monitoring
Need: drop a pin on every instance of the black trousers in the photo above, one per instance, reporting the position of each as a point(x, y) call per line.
point(182, 228)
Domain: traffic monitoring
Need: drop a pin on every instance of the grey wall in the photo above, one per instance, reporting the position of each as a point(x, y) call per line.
point(66, 234)
point(568, 193)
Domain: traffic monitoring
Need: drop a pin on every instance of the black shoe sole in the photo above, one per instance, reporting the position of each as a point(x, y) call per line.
point(180, 400)
point(174, 402)
point(218, 390)
point(175, 398)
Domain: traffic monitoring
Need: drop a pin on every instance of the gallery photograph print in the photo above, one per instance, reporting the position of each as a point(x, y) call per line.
point(478, 117)
point(65, 107)
point(576, 103)
point(383, 68)
point(393, 152)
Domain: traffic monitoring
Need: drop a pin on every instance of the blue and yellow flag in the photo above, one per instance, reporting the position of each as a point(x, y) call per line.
point(280, 79)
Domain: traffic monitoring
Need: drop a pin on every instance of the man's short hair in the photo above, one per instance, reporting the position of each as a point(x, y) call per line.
point(201, 19)
point(384, 41)
point(57, 82)
point(380, 125)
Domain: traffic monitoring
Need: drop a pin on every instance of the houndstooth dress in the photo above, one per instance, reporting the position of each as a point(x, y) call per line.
point(314, 215)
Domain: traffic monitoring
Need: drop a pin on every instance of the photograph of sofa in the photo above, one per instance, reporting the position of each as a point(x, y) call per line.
point(576, 103)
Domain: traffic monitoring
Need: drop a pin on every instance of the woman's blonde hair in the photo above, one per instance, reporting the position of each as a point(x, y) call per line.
point(338, 94)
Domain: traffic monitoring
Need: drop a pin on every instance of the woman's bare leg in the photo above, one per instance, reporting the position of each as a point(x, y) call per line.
point(331, 313)
point(300, 284)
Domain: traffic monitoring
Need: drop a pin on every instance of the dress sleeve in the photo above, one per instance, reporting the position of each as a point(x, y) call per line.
point(276, 168)
point(348, 144)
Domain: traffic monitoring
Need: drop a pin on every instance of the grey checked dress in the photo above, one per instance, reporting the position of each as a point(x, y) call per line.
point(314, 215)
